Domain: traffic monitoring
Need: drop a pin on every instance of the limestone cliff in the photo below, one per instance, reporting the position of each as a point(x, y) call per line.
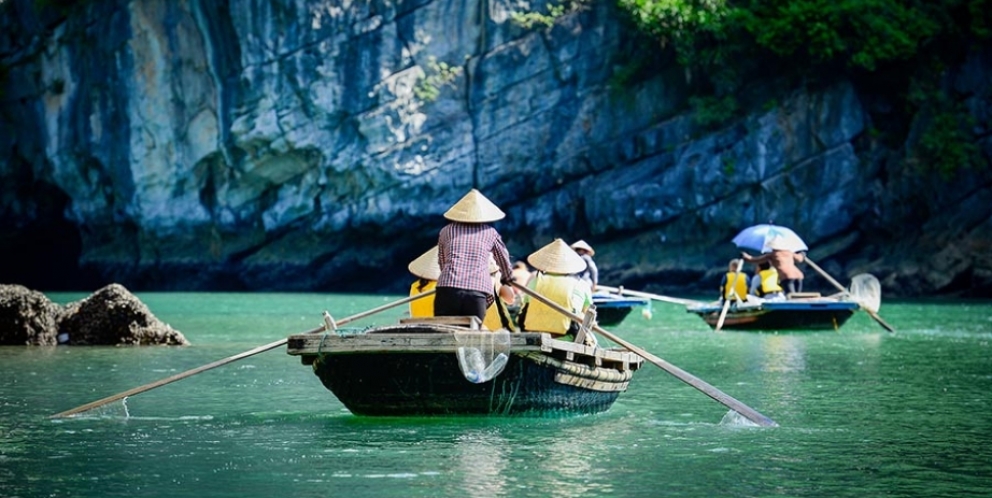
point(314, 145)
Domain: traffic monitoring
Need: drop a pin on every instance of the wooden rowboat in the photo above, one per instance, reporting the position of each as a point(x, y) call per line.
point(804, 312)
point(412, 369)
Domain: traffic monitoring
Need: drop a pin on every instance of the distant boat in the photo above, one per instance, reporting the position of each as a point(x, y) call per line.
point(807, 311)
point(417, 368)
point(611, 309)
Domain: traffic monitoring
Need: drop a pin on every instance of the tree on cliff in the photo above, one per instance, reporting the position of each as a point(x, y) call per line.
point(900, 47)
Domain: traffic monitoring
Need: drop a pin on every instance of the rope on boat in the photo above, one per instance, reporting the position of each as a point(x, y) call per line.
point(580, 370)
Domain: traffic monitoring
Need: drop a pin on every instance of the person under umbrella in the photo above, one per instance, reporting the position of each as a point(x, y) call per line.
point(465, 245)
point(783, 260)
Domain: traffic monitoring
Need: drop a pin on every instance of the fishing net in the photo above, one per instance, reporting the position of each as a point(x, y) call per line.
point(482, 355)
point(867, 291)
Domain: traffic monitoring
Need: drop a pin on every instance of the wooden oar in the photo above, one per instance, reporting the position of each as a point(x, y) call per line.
point(726, 300)
point(229, 359)
point(648, 295)
point(872, 313)
point(680, 374)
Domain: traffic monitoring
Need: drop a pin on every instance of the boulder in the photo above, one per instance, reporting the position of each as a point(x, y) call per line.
point(112, 315)
point(27, 317)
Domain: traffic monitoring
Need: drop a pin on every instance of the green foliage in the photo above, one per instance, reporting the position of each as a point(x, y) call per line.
point(712, 111)
point(533, 18)
point(946, 146)
point(847, 33)
point(900, 48)
point(862, 33)
point(729, 166)
point(980, 16)
point(437, 75)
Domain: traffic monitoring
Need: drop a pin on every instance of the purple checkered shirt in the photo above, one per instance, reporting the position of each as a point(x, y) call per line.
point(463, 254)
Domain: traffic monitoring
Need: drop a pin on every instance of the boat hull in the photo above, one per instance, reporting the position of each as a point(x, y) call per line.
point(431, 384)
point(782, 316)
point(413, 370)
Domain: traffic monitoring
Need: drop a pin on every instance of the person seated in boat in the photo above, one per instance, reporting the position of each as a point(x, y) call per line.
point(733, 285)
point(465, 244)
point(426, 269)
point(498, 314)
point(521, 272)
point(521, 275)
point(784, 261)
point(765, 283)
point(591, 272)
point(556, 266)
point(754, 284)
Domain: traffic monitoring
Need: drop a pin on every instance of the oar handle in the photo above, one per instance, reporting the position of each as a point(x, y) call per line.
point(680, 374)
point(826, 275)
point(229, 359)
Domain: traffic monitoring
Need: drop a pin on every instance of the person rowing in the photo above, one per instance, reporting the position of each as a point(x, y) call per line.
point(465, 244)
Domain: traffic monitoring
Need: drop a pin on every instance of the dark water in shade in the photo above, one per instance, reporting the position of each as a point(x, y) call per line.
point(862, 413)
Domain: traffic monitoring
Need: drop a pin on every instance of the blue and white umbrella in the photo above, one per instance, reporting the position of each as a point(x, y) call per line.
point(765, 237)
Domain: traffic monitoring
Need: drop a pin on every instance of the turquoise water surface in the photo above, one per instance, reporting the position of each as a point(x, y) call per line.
point(862, 412)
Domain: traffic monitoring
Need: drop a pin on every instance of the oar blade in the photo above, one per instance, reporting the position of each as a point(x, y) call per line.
point(680, 374)
point(229, 359)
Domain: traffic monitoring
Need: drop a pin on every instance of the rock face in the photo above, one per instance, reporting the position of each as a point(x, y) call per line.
point(308, 145)
point(110, 316)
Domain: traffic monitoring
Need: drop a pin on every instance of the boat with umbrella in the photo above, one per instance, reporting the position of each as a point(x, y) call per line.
point(801, 311)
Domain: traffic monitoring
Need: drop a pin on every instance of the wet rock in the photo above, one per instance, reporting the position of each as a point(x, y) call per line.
point(27, 317)
point(112, 315)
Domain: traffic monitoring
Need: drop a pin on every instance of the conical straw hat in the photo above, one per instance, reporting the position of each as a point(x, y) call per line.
point(426, 265)
point(557, 257)
point(474, 208)
point(583, 245)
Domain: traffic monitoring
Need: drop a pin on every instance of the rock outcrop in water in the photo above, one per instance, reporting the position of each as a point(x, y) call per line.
point(27, 317)
point(311, 145)
point(110, 316)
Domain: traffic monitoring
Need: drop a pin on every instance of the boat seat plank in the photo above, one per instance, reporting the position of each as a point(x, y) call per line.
point(470, 322)
point(606, 354)
point(312, 344)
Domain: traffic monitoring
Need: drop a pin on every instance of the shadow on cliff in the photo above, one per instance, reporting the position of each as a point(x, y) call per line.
point(50, 243)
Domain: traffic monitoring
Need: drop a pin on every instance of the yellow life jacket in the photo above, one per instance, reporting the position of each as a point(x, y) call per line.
point(423, 307)
point(493, 320)
point(735, 282)
point(541, 317)
point(769, 281)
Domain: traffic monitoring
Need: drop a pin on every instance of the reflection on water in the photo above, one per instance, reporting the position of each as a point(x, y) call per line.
point(481, 459)
point(783, 353)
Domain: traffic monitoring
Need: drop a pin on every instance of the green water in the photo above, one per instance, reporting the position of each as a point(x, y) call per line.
point(862, 413)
